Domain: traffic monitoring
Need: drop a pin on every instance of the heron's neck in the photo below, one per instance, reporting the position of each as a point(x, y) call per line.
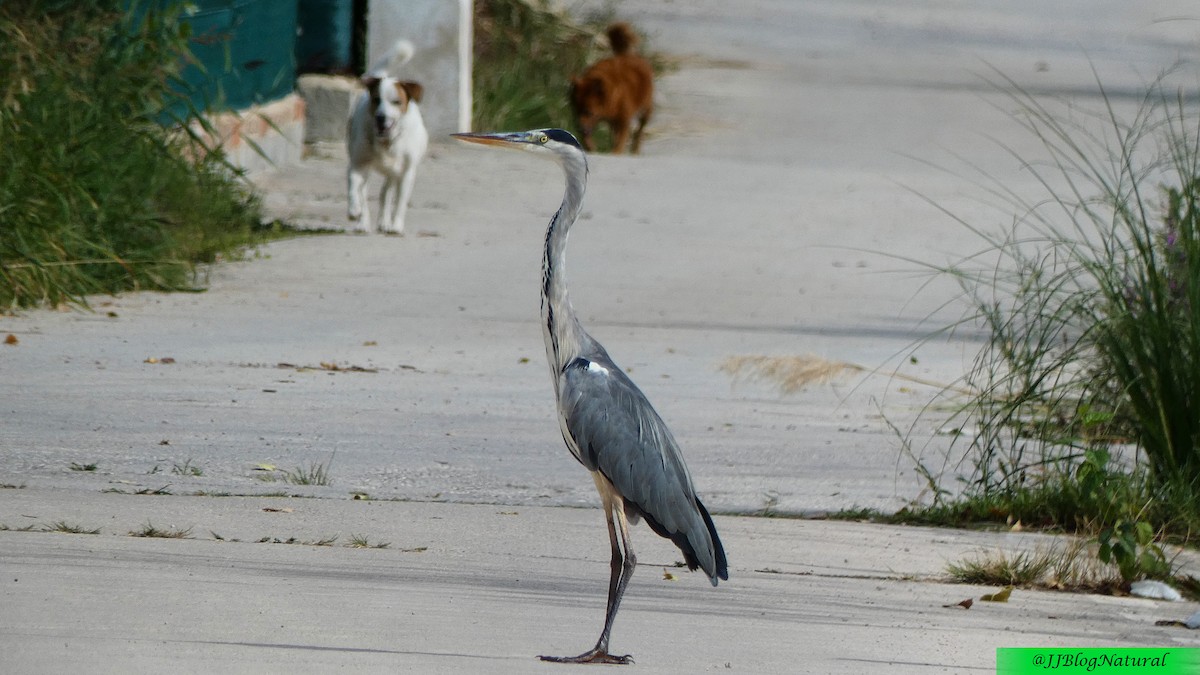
point(561, 330)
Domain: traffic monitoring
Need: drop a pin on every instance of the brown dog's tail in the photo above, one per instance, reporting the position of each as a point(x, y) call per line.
point(622, 38)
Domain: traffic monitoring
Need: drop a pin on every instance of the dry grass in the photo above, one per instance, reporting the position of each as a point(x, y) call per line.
point(789, 373)
point(1070, 566)
point(150, 531)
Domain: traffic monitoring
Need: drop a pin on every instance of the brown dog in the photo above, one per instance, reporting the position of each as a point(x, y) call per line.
point(615, 90)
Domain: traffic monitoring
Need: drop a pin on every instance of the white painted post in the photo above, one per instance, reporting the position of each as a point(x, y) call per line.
point(441, 32)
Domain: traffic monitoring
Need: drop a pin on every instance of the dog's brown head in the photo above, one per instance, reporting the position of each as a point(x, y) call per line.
point(588, 101)
point(390, 99)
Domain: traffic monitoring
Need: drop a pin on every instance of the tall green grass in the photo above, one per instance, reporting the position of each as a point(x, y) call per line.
point(95, 195)
point(526, 52)
point(1086, 412)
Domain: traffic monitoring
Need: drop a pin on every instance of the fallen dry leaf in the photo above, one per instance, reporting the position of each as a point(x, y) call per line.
point(328, 366)
point(11, 339)
point(667, 576)
point(272, 509)
point(998, 596)
point(965, 604)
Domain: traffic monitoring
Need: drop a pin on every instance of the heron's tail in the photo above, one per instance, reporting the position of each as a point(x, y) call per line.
point(391, 60)
point(721, 568)
point(691, 541)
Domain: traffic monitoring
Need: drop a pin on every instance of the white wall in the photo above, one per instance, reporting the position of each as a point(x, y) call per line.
point(441, 32)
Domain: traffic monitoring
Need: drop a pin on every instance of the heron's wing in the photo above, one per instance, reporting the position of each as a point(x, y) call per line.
point(616, 431)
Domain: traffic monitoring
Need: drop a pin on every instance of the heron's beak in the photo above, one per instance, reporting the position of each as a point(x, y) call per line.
point(499, 139)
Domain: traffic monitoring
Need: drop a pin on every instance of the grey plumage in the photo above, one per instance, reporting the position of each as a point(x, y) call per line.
point(606, 421)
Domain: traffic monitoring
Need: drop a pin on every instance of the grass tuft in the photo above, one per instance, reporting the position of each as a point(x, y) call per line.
point(68, 528)
point(361, 541)
point(1022, 569)
point(313, 474)
point(149, 530)
point(1071, 565)
point(187, 469)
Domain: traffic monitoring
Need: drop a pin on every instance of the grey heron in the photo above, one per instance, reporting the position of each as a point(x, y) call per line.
point(606, 421)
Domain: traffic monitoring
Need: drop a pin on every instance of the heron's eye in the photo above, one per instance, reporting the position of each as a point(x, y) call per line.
point(543, 139)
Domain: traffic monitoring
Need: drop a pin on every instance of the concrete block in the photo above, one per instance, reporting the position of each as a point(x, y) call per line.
point(441, 32)
point(328, 100)
point(260, 138)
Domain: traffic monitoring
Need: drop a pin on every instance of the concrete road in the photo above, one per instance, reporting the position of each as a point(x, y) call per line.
point(464, 588)
point(784, 186)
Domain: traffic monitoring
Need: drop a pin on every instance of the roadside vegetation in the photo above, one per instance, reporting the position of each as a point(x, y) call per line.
point(97, 195)
point(1083, 408)
point(526, 52)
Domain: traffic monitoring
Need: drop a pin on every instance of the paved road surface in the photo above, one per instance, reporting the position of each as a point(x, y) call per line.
point(780, 189)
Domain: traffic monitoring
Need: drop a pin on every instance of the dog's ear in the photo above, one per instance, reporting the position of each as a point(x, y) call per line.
point(414, 90)
point(369, 81)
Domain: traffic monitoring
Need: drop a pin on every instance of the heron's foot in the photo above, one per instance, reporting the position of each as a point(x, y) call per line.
point(594, 656)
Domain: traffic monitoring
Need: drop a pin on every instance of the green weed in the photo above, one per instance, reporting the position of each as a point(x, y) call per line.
point(187, 469)
point(361, 541)
point(96, 196)
point(1085, 401)
point(313, 474)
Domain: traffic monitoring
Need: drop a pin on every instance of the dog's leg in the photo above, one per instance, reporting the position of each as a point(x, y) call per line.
point(620, 131)
point(637, 134)
point(356, 197)
point(402, 196)
point(585, 132)
point(387, 204)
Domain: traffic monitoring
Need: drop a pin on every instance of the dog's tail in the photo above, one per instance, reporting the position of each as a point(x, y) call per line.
point(391, 60)
point(622, 38)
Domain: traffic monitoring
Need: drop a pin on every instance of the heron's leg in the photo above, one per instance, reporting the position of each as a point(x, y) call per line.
point(622, 569)
point(621, 566)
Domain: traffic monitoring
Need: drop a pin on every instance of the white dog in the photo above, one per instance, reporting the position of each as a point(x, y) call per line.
point(385, 132)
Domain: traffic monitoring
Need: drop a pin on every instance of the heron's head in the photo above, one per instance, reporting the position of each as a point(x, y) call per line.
point(555, 143)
